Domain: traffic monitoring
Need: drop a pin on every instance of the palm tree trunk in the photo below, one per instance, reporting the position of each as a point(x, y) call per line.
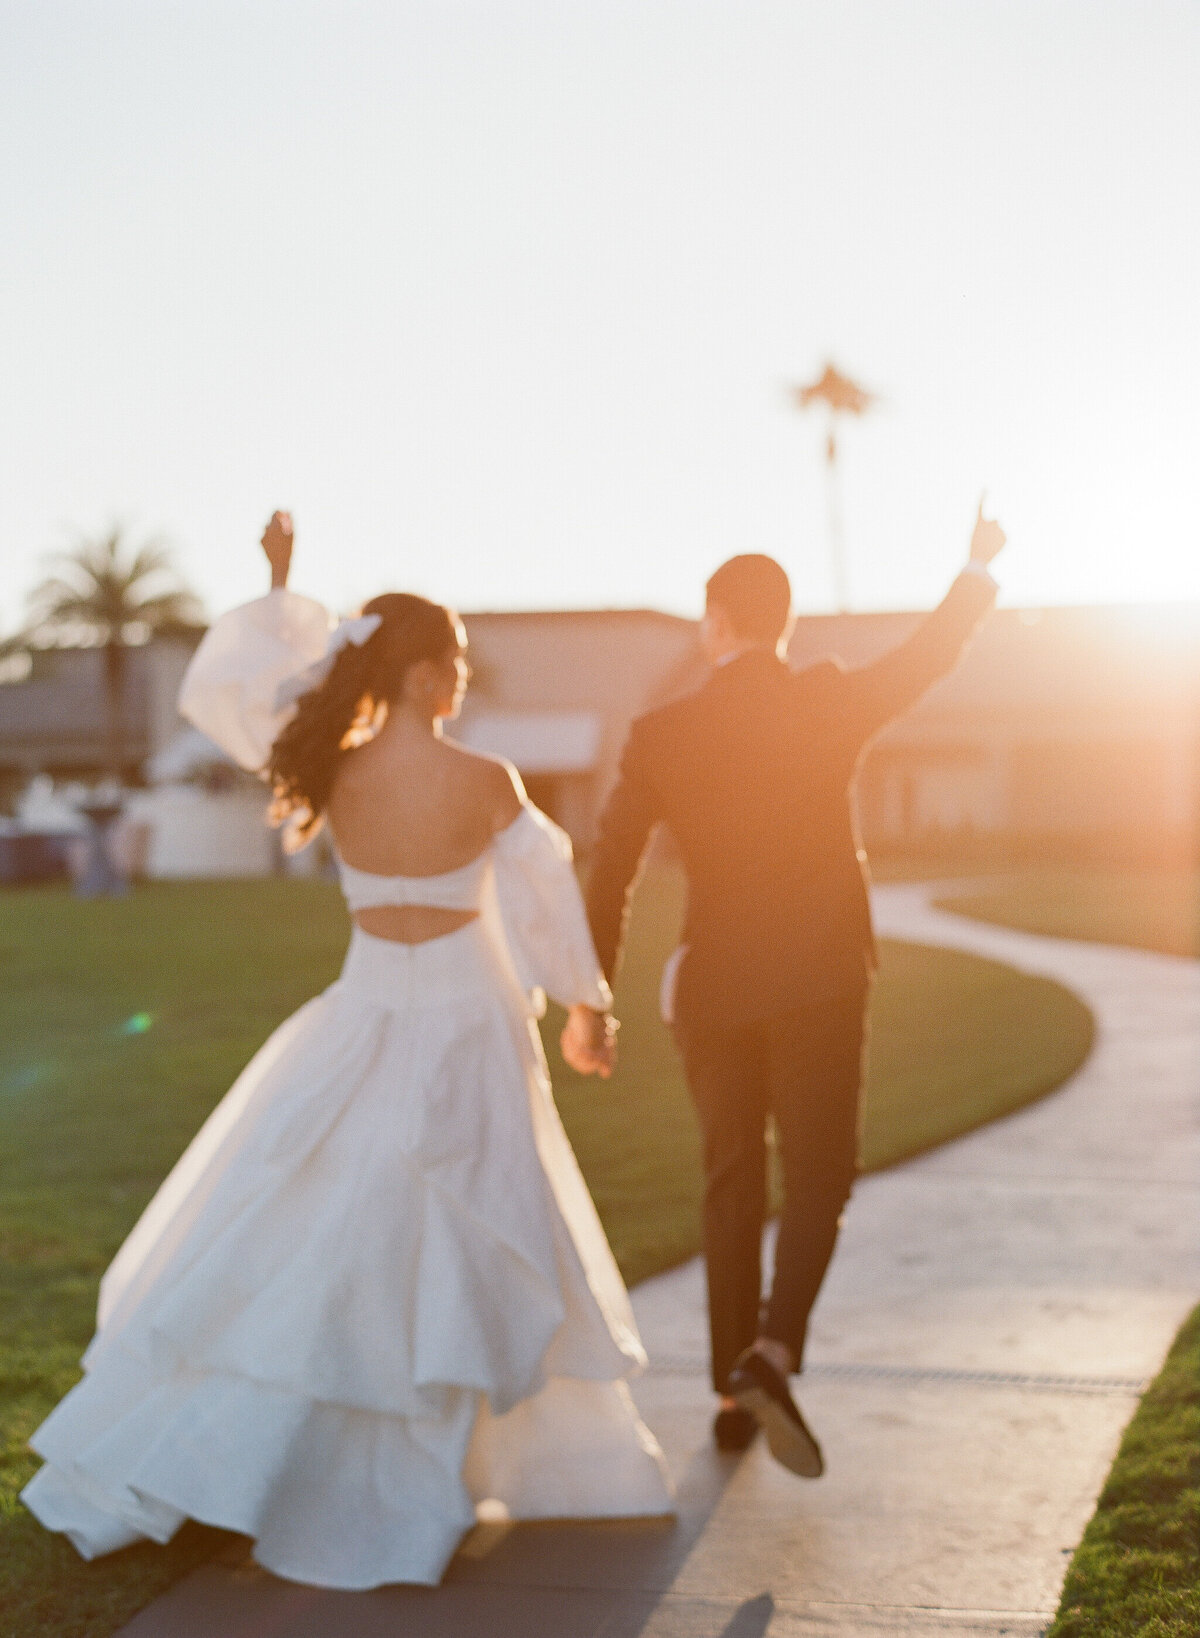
point(114, 693)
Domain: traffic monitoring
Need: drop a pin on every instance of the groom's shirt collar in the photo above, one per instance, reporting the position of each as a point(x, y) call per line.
point(748, 660)
point(741, 653)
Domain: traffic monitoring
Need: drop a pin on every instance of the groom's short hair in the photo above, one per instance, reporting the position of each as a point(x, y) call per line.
point(756, 595)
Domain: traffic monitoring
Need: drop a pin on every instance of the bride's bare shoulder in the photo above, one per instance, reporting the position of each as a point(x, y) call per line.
point(496, 782)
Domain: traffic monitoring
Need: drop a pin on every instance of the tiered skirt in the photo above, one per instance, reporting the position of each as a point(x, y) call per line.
point(372, 1296)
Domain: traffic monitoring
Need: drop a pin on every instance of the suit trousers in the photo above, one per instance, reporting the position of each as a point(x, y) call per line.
point(803, 1067)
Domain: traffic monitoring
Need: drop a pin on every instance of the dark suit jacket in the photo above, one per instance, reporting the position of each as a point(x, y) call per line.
point(753, 774)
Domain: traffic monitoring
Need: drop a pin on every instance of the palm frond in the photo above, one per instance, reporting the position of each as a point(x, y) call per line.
point(170, 608)
point(104, 585)
point(17, 642)
point(67, 606)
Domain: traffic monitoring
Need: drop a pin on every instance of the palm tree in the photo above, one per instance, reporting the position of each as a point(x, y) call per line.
point(107, 592)
point(840, 396)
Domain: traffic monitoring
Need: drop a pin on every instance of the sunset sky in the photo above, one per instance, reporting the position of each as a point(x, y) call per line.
point(503, 299)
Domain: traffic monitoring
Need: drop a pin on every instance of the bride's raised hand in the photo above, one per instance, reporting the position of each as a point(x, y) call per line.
point(277, 542)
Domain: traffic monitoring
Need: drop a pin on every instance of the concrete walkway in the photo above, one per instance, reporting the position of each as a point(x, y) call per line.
point(992, 1313)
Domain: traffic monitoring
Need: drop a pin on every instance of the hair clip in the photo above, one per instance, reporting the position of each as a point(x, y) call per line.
point(355, 630)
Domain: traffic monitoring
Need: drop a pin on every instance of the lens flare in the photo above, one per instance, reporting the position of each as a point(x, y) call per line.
point(24, 1078)
point(137, 1025)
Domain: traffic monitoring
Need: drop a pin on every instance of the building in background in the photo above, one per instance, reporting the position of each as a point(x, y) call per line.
point(196, 815)
point(53, 709)
point(1068, 733)
point(555, 693)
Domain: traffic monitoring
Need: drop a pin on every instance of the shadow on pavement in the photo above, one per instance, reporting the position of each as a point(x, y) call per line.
point(568, 1579)
point(752, 1619)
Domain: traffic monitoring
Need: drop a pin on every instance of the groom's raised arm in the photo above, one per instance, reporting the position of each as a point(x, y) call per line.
point(628, 817)
point(875, 694)
point(883, 690)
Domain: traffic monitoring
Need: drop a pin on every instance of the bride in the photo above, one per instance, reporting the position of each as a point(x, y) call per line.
point(373, 1293)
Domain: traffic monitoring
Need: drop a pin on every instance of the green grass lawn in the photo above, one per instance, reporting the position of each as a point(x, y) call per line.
point(121, 1023)
point(1136, 1573)
point(1148, 909)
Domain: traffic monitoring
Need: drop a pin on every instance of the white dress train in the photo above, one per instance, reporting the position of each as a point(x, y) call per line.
point(373, 1293)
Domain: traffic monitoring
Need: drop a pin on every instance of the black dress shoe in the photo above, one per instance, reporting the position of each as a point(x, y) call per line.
point(734, 1428)
point(758, 1388)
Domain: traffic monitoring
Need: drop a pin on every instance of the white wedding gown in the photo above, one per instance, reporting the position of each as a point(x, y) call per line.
point(374, 1292)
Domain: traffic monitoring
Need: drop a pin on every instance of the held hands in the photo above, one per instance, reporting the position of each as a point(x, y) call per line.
point(987, 538)
point(589, 1041)
point(277, 544)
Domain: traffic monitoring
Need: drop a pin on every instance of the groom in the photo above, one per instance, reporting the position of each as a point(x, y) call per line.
point(754, 774)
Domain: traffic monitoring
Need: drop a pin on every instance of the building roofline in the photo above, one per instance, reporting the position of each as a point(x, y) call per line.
point(1165, 606)
point(659, 616)
point(1180, 607)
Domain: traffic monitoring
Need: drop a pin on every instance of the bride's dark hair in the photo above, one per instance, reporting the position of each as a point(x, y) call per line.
point(347, 708)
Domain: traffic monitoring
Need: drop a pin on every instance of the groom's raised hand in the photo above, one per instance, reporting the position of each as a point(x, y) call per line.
point(987, 538)
point(589, 1041)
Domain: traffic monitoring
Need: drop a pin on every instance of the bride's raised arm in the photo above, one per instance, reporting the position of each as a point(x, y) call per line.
point(240, 688)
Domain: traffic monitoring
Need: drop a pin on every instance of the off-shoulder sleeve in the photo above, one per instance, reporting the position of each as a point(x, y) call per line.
point(542, 915)
point(229, 689)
